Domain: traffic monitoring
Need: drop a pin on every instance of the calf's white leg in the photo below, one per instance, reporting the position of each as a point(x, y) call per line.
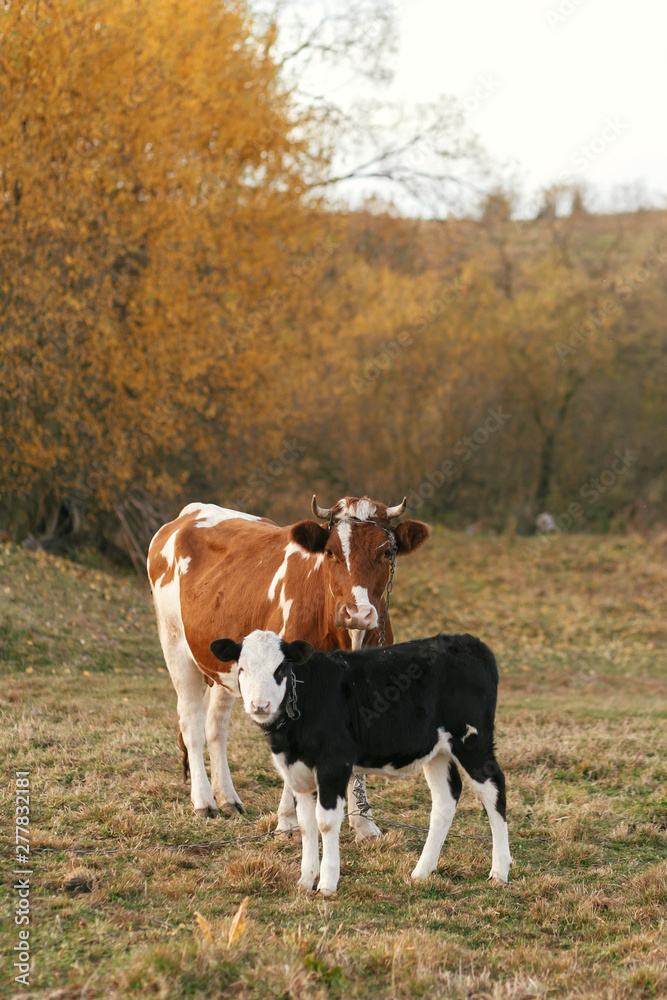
point(310, 853)
point(218, 703)
point(329, 823)
point(443, 807)
point(501, 859)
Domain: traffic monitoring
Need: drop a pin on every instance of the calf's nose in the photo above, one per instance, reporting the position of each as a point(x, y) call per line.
point(260, 707)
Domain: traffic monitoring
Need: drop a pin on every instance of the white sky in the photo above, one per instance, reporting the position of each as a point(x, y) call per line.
point(555, 85)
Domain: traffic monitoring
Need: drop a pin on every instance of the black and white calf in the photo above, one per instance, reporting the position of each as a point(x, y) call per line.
point(391, 710)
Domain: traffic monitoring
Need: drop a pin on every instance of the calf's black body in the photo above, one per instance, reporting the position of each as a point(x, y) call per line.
point(427, 704)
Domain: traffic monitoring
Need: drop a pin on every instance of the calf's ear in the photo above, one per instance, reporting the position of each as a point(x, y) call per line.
point(226, 649)
point(410, 535)
point(298, 651)
point(310, 536)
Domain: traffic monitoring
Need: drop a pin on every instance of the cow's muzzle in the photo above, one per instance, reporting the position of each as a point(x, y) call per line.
point(352, 616)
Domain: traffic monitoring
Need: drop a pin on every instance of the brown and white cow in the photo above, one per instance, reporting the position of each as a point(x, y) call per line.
point(218, 572)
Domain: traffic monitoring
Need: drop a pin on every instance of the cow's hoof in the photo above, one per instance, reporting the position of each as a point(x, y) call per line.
point(285, 831)
point(208, 812)
point(232, 808)
point(327, 893)
point(366, 831)
point(496, 881)
point(419, 876)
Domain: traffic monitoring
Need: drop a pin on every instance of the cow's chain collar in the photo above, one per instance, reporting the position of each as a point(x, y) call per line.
point(291, 699)
point(389, 587)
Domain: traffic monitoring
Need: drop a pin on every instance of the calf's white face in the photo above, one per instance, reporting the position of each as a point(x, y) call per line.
point(263, 667)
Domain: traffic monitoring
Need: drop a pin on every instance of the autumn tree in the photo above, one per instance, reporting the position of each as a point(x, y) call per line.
point(152, 175)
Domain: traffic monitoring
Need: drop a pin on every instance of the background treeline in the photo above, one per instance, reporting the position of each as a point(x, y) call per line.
point(183, 317)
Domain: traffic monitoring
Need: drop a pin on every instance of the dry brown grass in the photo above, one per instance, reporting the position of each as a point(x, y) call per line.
point(581, 735)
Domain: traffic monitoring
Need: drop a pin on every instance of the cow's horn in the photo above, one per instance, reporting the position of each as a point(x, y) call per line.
point(322, 512)
point(397, 510)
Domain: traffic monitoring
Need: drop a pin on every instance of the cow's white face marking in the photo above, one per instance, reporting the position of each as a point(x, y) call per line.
point(345, 535)
point(363, 601)
point(260, 657)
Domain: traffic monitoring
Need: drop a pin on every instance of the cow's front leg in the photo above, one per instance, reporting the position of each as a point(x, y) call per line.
point(310, 853)
point(329, 823)
point(218, 703)
point(359, 809)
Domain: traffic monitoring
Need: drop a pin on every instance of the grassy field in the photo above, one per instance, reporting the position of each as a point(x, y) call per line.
point(88, 709)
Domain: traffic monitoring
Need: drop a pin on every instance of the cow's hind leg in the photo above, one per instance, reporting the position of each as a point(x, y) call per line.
point(187, 681)
point(359, 809)
point(218, 703)
point(488, 783)
point(287, 816)
point(444, 781)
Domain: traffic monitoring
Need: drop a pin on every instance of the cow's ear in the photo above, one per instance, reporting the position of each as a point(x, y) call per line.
point(226, 649)
point(410, 535)
point(310, 536)
point(298, 651)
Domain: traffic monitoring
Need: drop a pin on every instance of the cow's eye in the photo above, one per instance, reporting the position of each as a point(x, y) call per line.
point(330, 552)
point(279, 672)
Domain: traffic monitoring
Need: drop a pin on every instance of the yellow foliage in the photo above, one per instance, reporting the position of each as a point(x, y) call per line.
point(151, 190)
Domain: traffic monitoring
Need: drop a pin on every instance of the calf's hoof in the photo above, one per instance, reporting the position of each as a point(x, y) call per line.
point(208, 812)
point(419, 876)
